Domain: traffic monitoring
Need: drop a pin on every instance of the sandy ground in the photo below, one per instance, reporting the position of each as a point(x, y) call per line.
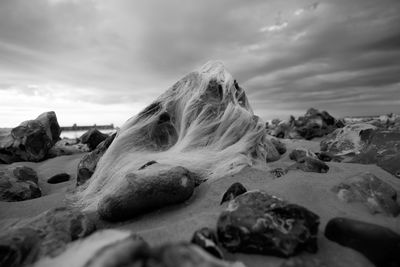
point(177, 223)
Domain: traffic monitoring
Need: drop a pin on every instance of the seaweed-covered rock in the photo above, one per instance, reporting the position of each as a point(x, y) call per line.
point(379, 244)
point(18, 184)
point(368, 189)
point(151, 188)
point(87, 165)
point(31, 140)
point(256, 222)
point(93, 138)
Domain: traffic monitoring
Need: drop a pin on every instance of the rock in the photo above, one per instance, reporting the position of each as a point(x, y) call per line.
point(348, 140)
point(280, 147)
point(299, 153)
point(59, 178)
point(233, 191)
point(93, 138)
point(88, 163)
point(278, 172)
point(18, 184)
point(46, 235)
point(327, 157)
point(272, 153)
point(368, 189)
point(151, 188)
point(18, 247)
point(391, 165)
point(379, 244)
point(302, 262)
point(67, 146)
point(207, 240)
point(31, 140)
point(112, 248)
point(256, 222)
point(308, 164)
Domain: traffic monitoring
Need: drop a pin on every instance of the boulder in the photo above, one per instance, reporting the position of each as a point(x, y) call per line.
point(256, 222)
point(31, 140)
point(18, 184)
point(59, 178)
point(87, 165)
point(368, 189)
point(147, 189)
point(46, 235)
point(93, 138)
point(379, 244)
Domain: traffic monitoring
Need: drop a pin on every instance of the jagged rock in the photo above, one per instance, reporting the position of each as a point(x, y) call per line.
point(93, 138)
point(280, 147)
point(377, 195)
point(112, 248)
point(299, 153)
point(31, 140)
point(18, 247)
point(46, 235)
point(379, 244)
point(67, 146)
point(309, 164)
point(256, 222)
point(272, 152)
point(59, 178)
point(207, 240)
point(18, 184)
point(233, 191)
point(148, 189)
point(88, 163)
point(203, 123)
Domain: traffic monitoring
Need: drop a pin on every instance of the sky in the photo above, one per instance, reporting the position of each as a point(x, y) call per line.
point(101, 61)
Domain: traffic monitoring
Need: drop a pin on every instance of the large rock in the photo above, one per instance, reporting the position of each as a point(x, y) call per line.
point(93, 138)
point(256, 222)
point(379, 244)
point(203, 123)
point(148, 189)
point(31, 140)
point(112, 248)
point(87, 165)
point(368, 189)
point(46, 235)
point(18, 183)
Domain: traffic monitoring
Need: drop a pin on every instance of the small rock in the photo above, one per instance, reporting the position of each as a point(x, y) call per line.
point(280, 147)
point(256, 222)
point(278, 172)
point(299, 153)
point(207, 240)
point(272, 152)
point(308, 164)
point(379, 244)
point(233, 191)
point(59, 178)
point(366, 188)
point(93, 138)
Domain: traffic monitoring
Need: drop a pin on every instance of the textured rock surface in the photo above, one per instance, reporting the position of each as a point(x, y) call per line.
point(59, 178)
point(93, 138)
point(18, 184)
point(377, 195)
point(147, 189)
point(233, 191)
point(299, 153)
point(257, 222)
point(379, 244)
point(31, 140)
point(88, 163)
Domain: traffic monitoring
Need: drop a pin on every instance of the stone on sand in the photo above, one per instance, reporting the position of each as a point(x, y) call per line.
point(59, 178)
point(18, 183)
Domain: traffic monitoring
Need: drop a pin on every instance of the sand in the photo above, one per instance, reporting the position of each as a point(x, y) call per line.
point(177, 223)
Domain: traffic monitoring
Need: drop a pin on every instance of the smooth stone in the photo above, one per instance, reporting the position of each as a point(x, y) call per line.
point(256, 222)
point(233, 191)
point(59, 178)
point(379, 244)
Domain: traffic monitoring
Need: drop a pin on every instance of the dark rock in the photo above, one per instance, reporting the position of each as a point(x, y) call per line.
point(299, 153)
point(18, 247)
point(379, 244)
point(368, 189)
point(256, 222)
point(308, 164)
point(154, 187)
point(272, 153)
point(18, 184)
point(93, 138)
point(207, 240)
point(233, 191)
point(31, 140)
point(327, 157)
point(67, 147)
point(87, 165)
point(59, 178)
point(280, 147)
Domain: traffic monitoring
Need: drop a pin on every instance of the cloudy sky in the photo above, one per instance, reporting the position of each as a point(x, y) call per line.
point(101, 61)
